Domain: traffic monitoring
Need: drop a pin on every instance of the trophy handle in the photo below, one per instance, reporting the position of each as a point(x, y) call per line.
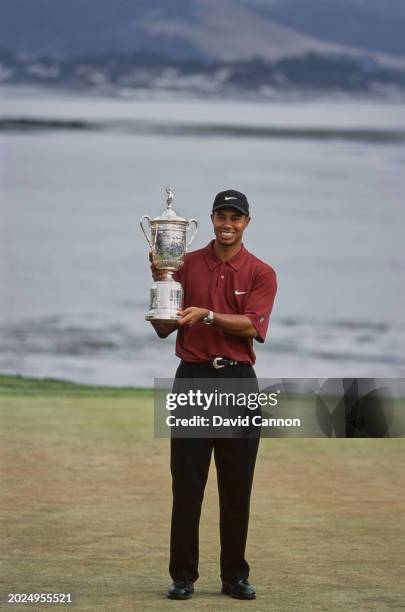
point(195, 231)
point(143, 229)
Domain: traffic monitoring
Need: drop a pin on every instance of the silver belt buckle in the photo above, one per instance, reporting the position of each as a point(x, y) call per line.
point(216, 364)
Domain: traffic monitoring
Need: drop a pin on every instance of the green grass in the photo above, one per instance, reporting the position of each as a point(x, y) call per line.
point(85, 507)
point(22, 385)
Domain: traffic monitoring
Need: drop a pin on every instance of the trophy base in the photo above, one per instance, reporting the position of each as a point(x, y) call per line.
point(166, 299)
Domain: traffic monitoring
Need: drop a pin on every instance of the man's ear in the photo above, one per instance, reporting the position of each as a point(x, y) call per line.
point(247, 221)
point(212, 217)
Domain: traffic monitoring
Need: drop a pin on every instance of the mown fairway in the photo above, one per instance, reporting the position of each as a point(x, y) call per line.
point(85, 508)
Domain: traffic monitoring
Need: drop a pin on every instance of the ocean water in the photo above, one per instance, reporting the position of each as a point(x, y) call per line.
point(326, 183)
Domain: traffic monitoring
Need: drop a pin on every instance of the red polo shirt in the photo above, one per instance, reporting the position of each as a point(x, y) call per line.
point(243, 285)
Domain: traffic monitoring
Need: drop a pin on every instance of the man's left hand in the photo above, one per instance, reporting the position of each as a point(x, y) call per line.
point(192, 315)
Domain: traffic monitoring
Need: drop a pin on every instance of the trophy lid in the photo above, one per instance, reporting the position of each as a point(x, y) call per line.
point(169, 214)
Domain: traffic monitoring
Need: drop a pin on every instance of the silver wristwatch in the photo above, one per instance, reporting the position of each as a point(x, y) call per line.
point(209, 319)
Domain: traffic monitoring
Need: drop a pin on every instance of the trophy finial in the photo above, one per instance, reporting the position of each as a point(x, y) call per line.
point(169, 192)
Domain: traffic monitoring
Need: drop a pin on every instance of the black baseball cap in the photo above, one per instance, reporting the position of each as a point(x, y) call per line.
point(230, 198)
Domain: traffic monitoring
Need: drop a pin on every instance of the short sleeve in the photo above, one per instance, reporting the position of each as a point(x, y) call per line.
point(260, 301)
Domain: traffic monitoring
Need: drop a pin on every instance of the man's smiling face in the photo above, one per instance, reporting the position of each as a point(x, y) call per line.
point(229, 225)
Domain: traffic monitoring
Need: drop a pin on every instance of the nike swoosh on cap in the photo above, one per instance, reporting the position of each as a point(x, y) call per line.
point(231, 198)
point(239, 292)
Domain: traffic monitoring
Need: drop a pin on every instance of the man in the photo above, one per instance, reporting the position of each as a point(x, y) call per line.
point(228, 299)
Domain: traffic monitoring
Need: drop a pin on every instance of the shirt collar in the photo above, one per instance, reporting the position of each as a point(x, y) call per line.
point(212, 259)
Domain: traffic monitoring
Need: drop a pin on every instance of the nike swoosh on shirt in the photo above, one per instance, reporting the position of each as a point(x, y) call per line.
point(231, 198)
point(239, 292)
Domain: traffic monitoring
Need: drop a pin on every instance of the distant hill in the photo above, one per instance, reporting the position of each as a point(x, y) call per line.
point(205, 46)
point(205, 30)
point(372, 25)
point(72, 28)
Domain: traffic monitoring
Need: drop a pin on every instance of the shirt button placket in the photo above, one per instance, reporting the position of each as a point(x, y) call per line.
point(221, 280)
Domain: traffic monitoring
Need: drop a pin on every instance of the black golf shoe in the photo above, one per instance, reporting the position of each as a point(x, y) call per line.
point(240, 588)
point(181, 589)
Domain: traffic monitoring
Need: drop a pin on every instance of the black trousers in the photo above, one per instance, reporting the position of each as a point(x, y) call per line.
point(235, 460)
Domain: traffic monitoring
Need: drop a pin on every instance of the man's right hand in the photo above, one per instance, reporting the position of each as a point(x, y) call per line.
point(157, 275)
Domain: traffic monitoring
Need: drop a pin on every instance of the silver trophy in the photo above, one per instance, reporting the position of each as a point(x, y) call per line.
point(168, 245)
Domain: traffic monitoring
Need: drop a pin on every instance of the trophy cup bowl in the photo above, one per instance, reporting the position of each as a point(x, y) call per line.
point(168, 246)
